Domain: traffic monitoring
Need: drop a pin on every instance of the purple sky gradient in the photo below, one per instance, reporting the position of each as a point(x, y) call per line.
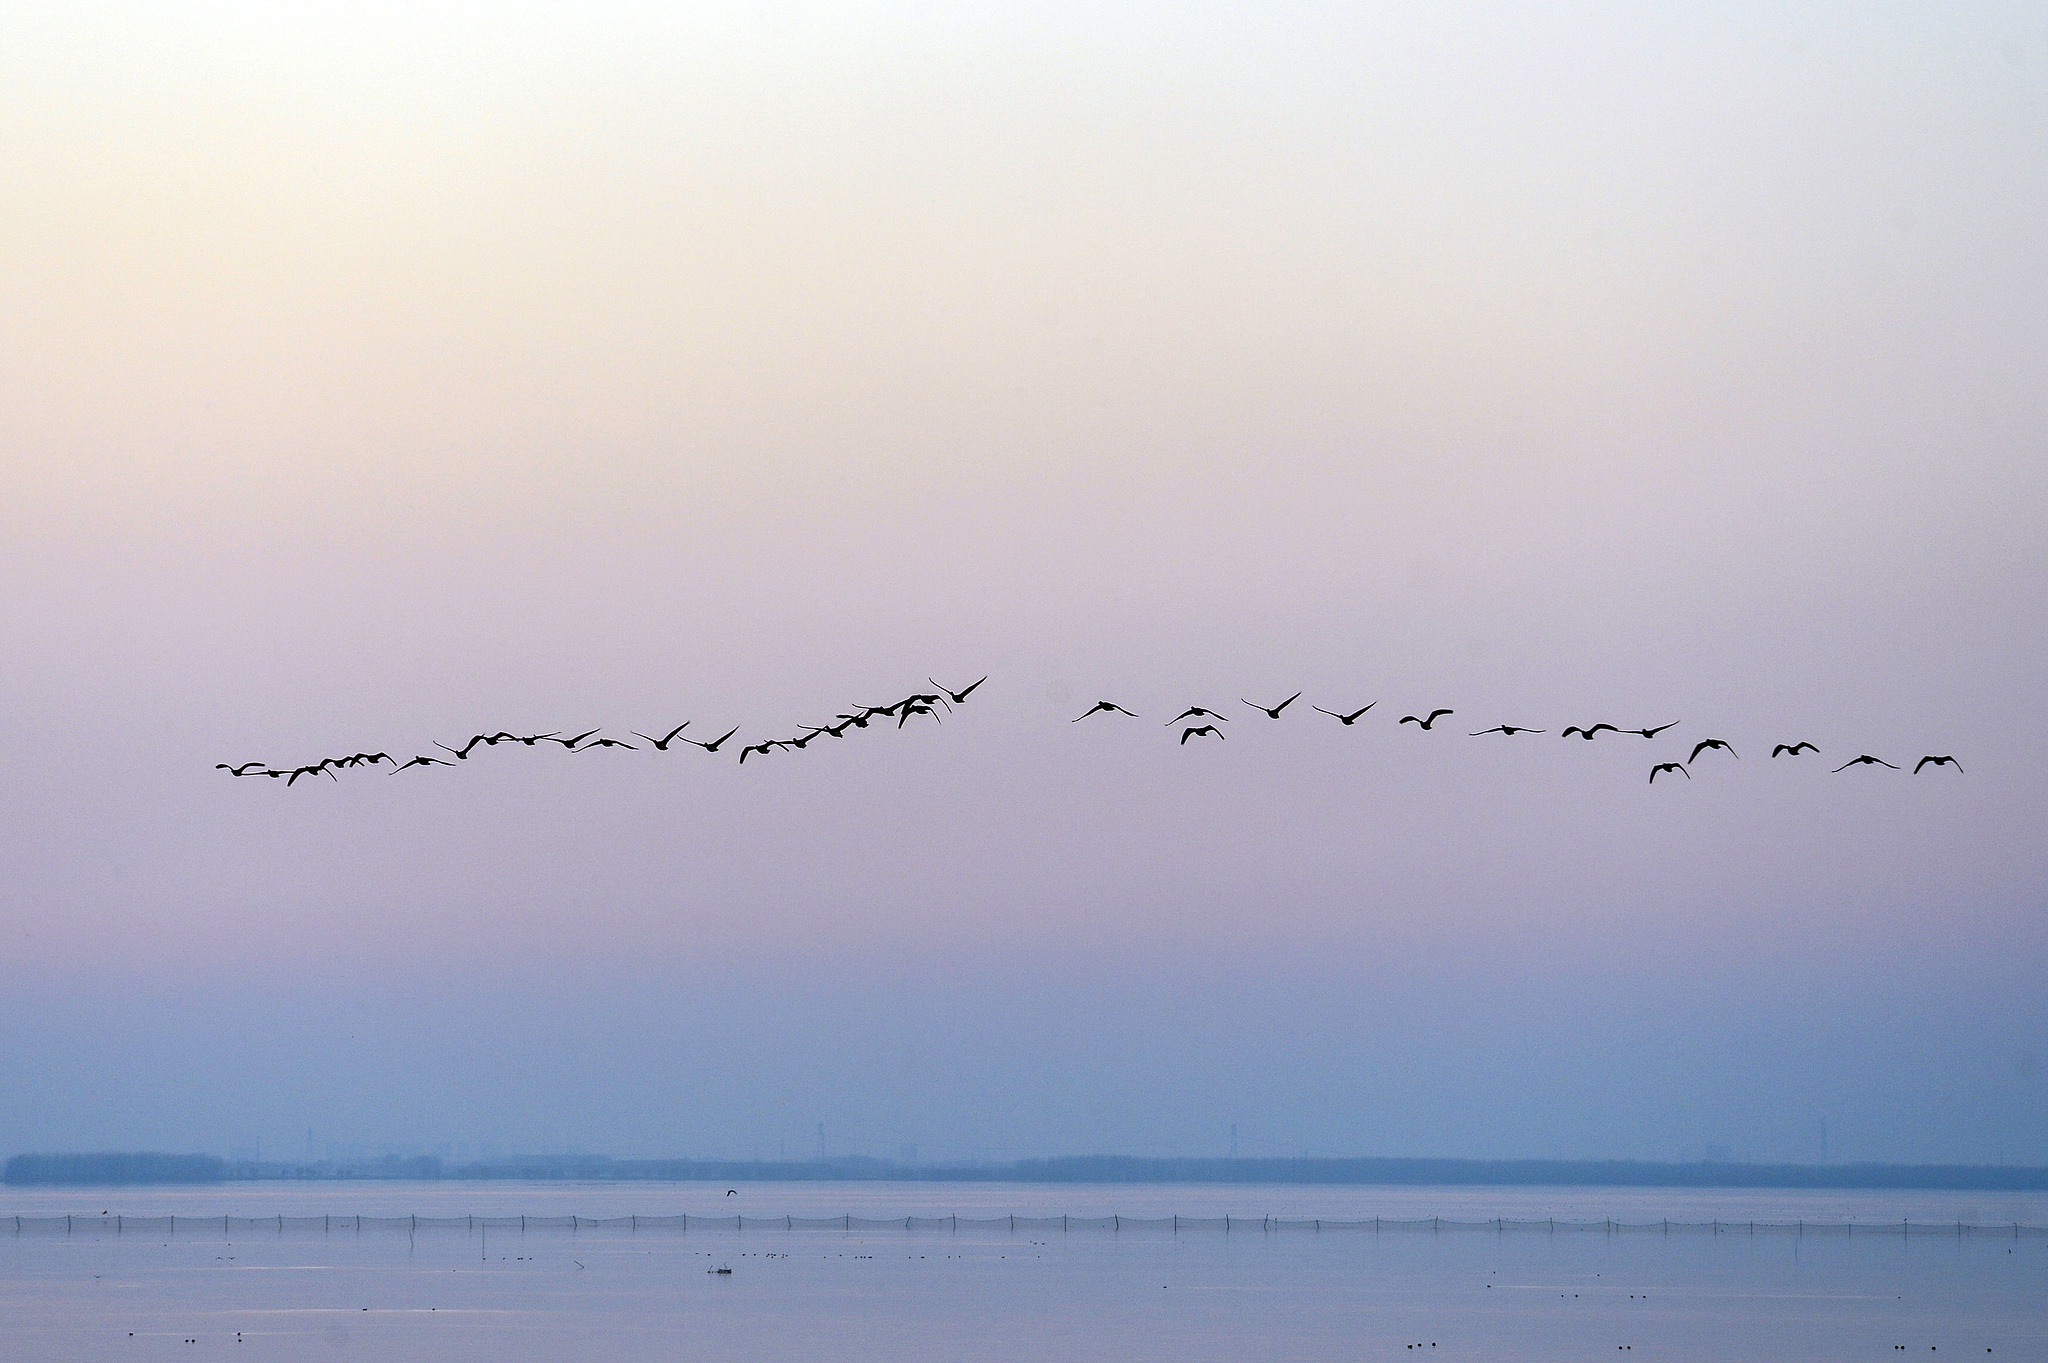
point(368, 384)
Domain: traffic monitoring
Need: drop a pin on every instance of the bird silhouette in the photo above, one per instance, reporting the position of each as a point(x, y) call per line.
point(368, 759)
point(1346, 720)
point(1434, 716)
point(1936, 762)
point(1199, 731)
point(889, 710)
point(957, 697)
point(609, 743)
point(462, 753)
point(859, 721)
point(713, 745)
point(1678, 767)
point(1651, 733)
point(1587, 734)
point(1509, 729)
point(570, 743)
point(1706, 743)
point(1273, 711)
point(1103, 705)
point(530, 739)
point(661, 744)
point(1793, 749)
point(915, 708)
point(1195, 712)
point(424, 762)
point(1865, 761)
point(242, 770)
point(762, 748)
point(319, 770)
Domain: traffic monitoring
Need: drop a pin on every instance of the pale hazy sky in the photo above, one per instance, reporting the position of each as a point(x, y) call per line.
point(381, 374)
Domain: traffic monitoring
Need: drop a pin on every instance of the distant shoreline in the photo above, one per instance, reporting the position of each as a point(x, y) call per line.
point(152, 1168)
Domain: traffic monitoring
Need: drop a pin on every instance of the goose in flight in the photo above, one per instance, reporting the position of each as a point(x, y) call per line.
point(1346, 720)
point(1865, 761)
point(859, 721)
point(1678, 767)
point(762, 748)
point(1509, 729)
point(570, 743)
point(1100, 707)
point(1587, 734)
point(661, 744)
point(1793, 749)
point(1199, 731)
point(1652, 733)
point(1936, 762)
point(713, 745)
point(462, 753)
point(424, 762)
point(957, 697)
point(916, 707)
point(1195, 712)
point(1273, 711)
point(365, 759)
point(243, 770)
point(609, 743)
point(1434, 716)
point(318, 770)
point(1709, 743)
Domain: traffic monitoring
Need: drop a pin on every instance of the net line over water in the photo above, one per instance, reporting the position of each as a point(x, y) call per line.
point(684, 1223)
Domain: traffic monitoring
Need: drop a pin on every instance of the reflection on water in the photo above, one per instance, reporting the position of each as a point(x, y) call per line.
point(451, 1295)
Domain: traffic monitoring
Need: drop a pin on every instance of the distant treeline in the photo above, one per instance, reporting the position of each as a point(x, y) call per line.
point(147, 1166)
point(156, 1168)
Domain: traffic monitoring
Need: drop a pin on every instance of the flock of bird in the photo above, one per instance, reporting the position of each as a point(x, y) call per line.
point(1212, 720)
point(1208, 724)
point(921, 704)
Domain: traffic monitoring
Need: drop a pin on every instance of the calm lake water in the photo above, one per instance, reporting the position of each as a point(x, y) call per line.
point(451, 1295)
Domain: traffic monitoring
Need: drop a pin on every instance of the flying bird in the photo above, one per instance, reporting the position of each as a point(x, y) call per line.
point(1678, 767)
point(958, 697)
point(424, 762)
point(859, 721)
point(1346, 720)
point(1199, 731)
point(570, 743)
point(242, 770)
point(370, 759)
point(1936, 762)
point(762, 748)
point(1865, 761)
point(1587, 734)
point(890, 710)
point(1195, 712)
point(462, 753)
point(1434, 716)
point(713, 745)
point(916, 708)
point(1706, 743)
point(609, 743)
point(1273, 711)
point(1099, 707)
point(1509, 729)
point(320, 770)
point(1652, 733)
point(661, 744)
point(1793, 749)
